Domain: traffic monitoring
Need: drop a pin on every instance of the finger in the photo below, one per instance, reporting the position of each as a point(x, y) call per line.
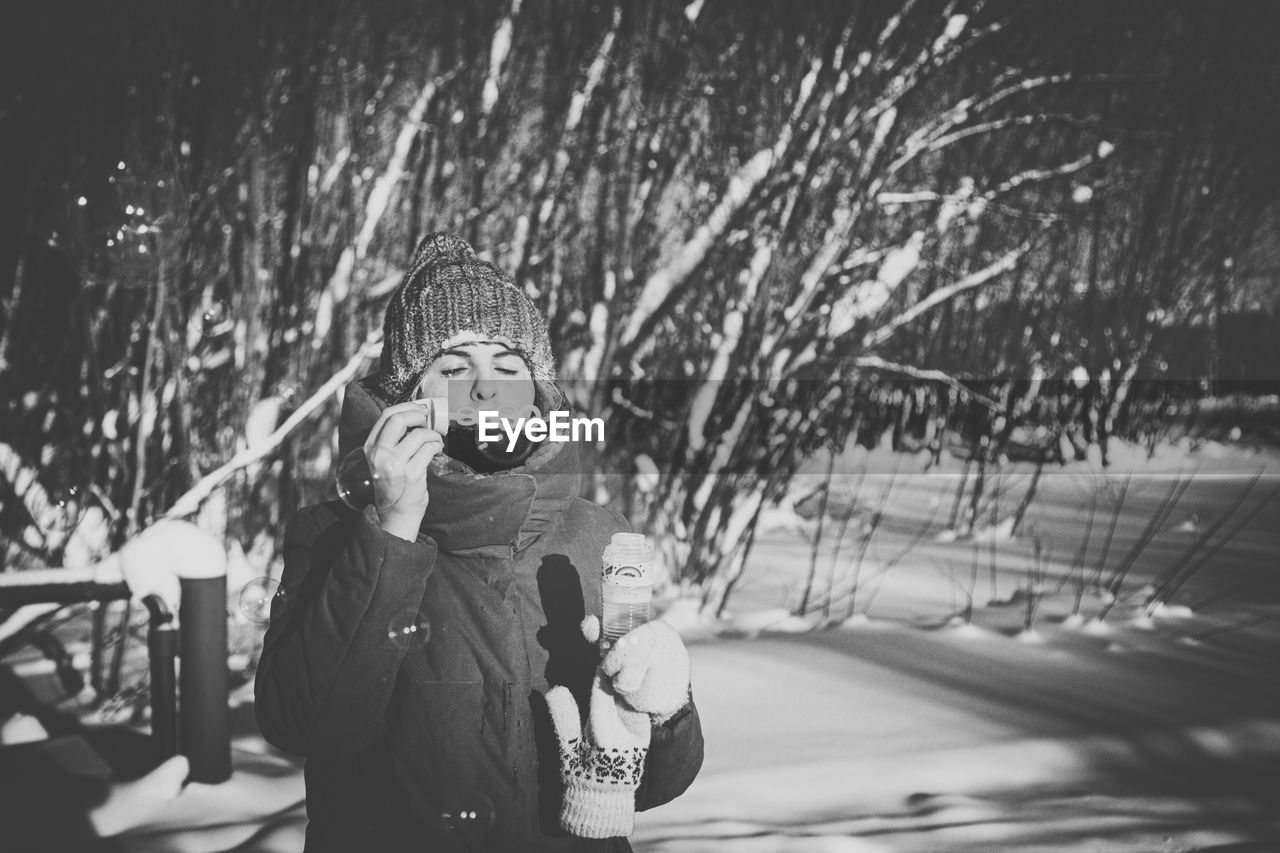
point(415, 440)
point(400, 424)
point(415, 473)
point(437, 409)
point(393, 423)
point(415, 469)
point(428, 443)
point(404, 448)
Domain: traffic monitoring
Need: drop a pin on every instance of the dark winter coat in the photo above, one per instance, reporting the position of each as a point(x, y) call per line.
point(400, 735)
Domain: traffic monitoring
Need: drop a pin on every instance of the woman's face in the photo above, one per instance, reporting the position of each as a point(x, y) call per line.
point(479, 374)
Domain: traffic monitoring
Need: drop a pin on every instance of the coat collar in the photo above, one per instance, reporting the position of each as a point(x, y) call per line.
point(510, 508)
point(469, 510)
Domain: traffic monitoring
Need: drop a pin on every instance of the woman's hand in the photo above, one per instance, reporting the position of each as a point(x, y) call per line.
point(648, 667)
point(402, 445)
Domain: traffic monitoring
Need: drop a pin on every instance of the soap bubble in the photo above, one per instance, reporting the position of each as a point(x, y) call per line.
point(408, 628)
point(358, 484)
point(57, 510)
point(290, 395)
point(468, 811)
point(212, 319)
point(256, 597)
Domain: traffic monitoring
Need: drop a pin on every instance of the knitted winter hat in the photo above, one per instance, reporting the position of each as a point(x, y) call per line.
point(448, 290)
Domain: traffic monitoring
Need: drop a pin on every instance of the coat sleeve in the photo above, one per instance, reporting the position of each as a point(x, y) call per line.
point(675, 757)
point(327, 670)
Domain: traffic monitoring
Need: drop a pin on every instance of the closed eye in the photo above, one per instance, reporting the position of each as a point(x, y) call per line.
point(509, 364)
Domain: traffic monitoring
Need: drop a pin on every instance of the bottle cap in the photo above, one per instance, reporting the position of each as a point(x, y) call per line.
point(628, 559)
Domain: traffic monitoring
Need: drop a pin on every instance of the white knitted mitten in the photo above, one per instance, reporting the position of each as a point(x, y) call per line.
point(601, 766)
point(650, 670)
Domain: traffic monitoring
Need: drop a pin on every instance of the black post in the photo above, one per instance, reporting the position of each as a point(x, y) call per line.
point(205, 721)
point(162, 646)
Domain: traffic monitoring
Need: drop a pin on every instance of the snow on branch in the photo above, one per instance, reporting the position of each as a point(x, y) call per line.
point(940, 53)
point(887, 198)
point(1032, 175)
point(730, 338)
point(145, 563)
point(380, 197)
point(1020, 87)
point(498, 50)
point(573, 119)
point(927, 138)
point(875, 362)
point(384, 288)
point(952, 117)
point(552, 172)
point(974, 279)
point(189, 503)
point(334, 171)
point(26, 615)
point(940, 142)
point(816, 270)
point(595, 74)
point(819, 269)
point(339, 284)
point(49, 513)
point(974, 205)
point(857, 302)
point(662, 286)
point(891, 25)
point(870, 296)
point(950, 32)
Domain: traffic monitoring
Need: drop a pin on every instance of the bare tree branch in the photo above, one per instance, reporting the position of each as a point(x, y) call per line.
point(976, 279)
point(189, 503)
point(877, 363)
point(376, 206)
point(663, 285)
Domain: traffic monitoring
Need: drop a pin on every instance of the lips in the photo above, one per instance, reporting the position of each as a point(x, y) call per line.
point(463, 444)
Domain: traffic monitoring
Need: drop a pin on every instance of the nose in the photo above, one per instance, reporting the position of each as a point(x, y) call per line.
point(484, 388)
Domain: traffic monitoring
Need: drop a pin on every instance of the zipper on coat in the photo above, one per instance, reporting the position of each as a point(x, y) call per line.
point(511, 737)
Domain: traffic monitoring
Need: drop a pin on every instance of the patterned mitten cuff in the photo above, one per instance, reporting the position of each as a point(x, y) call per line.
point(600, 766)
point(596, 807)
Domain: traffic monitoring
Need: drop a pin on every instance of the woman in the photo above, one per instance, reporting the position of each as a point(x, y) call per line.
point(415, 646)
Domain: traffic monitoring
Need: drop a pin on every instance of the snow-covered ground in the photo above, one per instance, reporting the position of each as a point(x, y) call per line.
point(911, 728)
point(921, 724)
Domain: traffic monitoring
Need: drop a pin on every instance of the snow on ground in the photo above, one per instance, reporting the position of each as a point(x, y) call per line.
point(968, 698)
point(904, 739)
point(935, 732)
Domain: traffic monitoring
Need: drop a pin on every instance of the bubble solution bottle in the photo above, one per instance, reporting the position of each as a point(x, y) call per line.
point(626, 586)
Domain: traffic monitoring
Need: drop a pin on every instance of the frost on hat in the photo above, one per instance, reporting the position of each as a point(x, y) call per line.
point(448, 290)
